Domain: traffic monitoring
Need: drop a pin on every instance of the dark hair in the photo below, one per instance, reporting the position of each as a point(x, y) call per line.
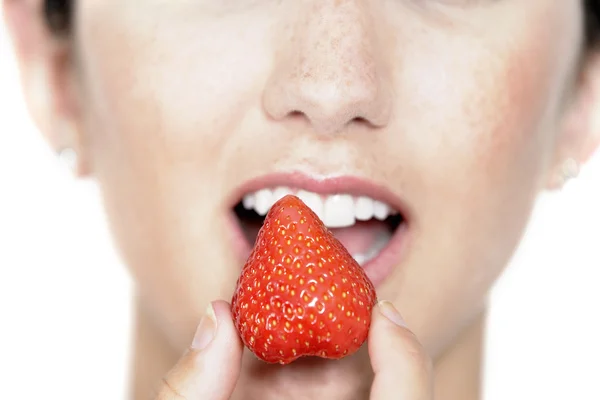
point(58, 16)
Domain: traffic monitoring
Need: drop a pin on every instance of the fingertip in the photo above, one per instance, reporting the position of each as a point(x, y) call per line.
point(390, 339)
point(389, 311)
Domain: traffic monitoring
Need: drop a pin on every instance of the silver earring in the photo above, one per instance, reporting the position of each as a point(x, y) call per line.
point(68, 158)
point(569, 170)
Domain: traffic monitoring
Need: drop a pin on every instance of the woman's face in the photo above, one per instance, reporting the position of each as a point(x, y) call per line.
point(448, 111)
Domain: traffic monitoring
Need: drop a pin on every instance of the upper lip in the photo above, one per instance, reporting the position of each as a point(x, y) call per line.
point(352, 185)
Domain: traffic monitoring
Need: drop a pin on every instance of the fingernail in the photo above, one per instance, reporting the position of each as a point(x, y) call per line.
point(206, 329)
point(389, 311)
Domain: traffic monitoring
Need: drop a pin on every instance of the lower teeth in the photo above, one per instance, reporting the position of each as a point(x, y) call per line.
point(380, 242)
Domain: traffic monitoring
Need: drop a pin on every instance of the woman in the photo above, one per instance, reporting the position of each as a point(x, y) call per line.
point(432, 125)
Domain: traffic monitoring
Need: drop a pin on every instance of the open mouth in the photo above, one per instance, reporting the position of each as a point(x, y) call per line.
point(364, 225)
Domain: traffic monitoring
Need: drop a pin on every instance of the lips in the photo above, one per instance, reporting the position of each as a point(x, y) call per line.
point(367, 218)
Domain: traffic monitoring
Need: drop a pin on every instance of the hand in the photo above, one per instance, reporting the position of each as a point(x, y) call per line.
point(211, 366)
point(403, 370)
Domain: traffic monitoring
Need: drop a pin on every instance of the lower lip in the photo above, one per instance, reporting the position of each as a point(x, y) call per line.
point(377, 269)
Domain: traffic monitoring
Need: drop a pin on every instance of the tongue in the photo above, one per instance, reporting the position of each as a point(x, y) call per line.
point(363, 237)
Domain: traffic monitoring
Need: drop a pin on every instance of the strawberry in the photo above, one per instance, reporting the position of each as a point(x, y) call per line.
point(300, 292)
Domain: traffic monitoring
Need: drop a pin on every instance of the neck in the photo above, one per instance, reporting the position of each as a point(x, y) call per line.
point(457, 370)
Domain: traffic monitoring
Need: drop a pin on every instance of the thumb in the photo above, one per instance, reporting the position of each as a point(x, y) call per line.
point(402, 367)
point(210, 367)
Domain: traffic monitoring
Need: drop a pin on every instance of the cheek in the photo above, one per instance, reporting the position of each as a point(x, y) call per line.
point(480, 125)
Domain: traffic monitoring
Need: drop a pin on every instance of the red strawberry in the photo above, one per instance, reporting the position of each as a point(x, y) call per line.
point(300, 292)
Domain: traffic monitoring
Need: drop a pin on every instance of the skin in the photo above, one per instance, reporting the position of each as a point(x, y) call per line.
point(465, 109)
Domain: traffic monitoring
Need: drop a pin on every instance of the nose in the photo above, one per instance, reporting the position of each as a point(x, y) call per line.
point(329, 69)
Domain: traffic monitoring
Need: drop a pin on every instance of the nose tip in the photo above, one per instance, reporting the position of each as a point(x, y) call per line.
point(329, 101)
point(333, 75)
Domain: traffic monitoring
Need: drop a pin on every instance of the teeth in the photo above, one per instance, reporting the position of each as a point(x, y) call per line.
point(263, 201)
point(380, 242)
point(280, 193)
point(360, 258)
point(313, 201)
point(339, 211)
point(363, 209)
point(380, 210)
point(248, 201)
point(336, 211)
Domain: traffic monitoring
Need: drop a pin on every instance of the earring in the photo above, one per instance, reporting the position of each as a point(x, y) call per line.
point(68, 158)
point(569, 170)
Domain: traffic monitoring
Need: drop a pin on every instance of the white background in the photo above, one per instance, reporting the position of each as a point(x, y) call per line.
point(65, 306)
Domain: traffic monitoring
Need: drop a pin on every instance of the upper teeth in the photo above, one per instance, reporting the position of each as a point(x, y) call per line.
point(336, 211)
